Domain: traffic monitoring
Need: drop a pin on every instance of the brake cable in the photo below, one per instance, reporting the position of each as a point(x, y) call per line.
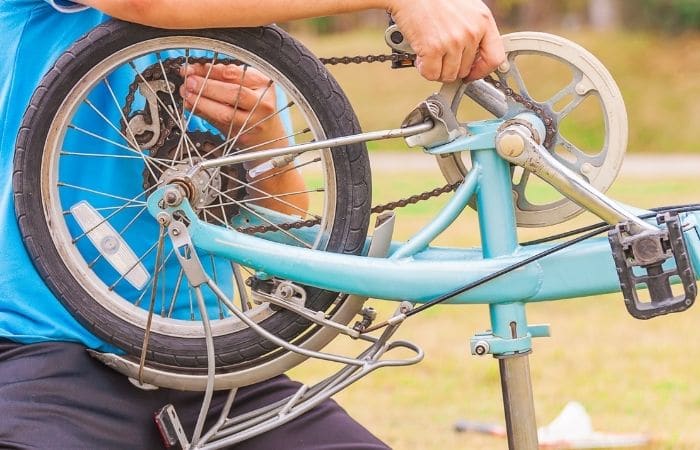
point(590, 232)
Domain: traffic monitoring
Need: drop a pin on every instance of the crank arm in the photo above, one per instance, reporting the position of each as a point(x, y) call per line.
point(316, 145)
point(517, 145)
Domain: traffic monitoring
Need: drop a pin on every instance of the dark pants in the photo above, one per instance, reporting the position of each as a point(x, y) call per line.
point(55, 396)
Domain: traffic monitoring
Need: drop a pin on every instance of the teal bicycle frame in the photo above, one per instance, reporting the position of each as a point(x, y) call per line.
point(416, 272)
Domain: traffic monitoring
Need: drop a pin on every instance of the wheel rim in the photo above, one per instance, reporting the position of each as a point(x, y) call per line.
point(89, 266)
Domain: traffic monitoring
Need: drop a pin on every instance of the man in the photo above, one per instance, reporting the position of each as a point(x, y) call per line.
point(52, 395)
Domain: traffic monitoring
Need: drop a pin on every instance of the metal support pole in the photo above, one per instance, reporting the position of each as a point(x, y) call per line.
point(518, 403)
point(509, 328)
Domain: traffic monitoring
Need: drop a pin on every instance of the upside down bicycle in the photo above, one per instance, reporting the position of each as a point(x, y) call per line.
point(157, 232)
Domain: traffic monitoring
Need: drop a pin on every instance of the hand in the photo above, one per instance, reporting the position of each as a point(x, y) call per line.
point(233, 98)
point(453, 39)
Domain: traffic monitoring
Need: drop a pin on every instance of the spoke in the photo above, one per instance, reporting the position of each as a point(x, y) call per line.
point(275, 196)
point(265, 119)
point(93, 191)
point(286, 194)
point(216, 281)
point(109, 141)
point(235, 104)
point(179, 118)
point(247, 119)
point(98, 155)
point(137, 302)
point(151, 306)
point(256, 146)
point(241, 286)
point(265, 219)
point(227, 151)
point(111, 125)
point(252, 200)
point(196, 102)
point(217, 219)
point(176, 292)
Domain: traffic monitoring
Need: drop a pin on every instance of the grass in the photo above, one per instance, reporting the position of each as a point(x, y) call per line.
point(656, 73)
point(631, 376)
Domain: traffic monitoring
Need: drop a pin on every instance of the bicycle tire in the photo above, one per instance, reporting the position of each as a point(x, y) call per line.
point(186, 353)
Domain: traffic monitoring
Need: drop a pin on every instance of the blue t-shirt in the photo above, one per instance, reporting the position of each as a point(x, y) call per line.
point(34, 34)
point(29, 312)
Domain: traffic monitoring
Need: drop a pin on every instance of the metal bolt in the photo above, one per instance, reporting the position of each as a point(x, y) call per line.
point(511, 145)
point(163, 218)
point(173, 197)
point(286, 292)
point(481, 348)
point(396, 37)
point(587, 168)
point(176, 232)
point(505, 67)
point(405, 307)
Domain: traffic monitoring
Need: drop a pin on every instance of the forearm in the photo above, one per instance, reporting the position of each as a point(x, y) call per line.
point(225, 13)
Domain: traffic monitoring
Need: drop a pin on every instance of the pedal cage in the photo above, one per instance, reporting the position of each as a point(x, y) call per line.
point(647, 253)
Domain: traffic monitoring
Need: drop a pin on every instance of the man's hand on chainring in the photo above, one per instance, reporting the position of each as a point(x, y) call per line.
point(453, 39)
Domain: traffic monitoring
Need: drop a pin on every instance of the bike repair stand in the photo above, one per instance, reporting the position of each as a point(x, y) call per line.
point(510, 337)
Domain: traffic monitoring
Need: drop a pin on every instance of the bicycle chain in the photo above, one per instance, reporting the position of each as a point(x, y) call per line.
point(172, 67)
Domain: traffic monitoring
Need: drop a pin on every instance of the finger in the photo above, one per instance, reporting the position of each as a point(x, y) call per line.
point(240, 74)
point(430, 65)
point(218, 114)
point(223, 115)
point(491, 55)
point(451, 64)
point(222, 92)
point(468, 63)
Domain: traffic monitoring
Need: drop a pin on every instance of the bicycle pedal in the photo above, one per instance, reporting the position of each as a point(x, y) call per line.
point(640, 259)
point(170, 428)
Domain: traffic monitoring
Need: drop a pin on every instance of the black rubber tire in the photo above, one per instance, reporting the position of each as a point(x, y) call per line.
point(351, 171)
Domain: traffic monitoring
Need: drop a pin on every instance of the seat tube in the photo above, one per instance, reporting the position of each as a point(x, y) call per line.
point(498, 230)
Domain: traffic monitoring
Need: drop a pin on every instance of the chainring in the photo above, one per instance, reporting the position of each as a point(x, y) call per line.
point(590, 79)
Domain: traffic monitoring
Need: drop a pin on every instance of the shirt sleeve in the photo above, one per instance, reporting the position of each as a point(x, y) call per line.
point(66, 6)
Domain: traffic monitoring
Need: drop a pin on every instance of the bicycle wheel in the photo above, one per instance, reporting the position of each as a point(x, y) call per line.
point(107, 127)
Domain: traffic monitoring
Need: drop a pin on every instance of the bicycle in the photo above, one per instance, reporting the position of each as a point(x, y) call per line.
point(226, 292)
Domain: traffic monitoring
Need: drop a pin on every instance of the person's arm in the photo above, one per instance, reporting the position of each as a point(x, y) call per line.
point(452, 38)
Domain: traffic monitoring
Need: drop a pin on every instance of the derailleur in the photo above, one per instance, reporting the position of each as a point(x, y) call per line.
point(641, 261)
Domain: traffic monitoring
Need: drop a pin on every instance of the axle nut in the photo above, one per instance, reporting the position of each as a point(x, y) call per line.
point(511, 146)
point(481, 348)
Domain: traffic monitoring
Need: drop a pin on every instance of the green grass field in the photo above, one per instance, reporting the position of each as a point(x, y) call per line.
point(632, 376)
point(658, 76)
